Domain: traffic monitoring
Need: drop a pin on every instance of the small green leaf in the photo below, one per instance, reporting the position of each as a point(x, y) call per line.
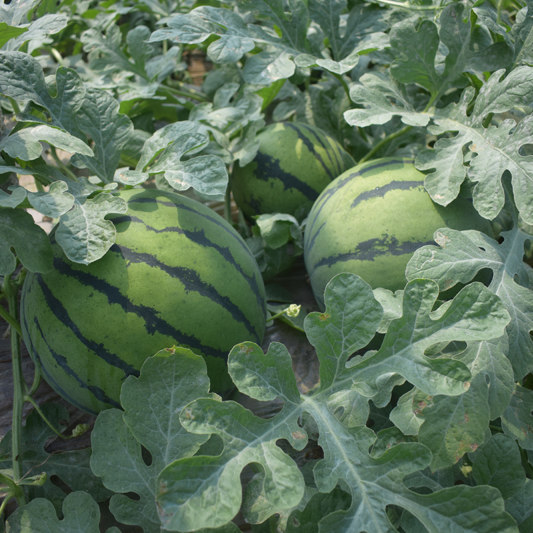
point(14, 199)
point(83, 232)
point(382, 98)
point(26, 144)
point(415, 48)
point(278, 229)
point(54, 202)
point(80, 515)
point(267, 67)
point(30, 242)
point(8, 32)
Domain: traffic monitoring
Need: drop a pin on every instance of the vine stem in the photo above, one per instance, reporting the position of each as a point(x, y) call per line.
point(62, 165)
point(342, 81)
point(383, 142)
point(185, 94)
point(227, 205)
point(11, 291)
point(11, 320)
point(29, 399)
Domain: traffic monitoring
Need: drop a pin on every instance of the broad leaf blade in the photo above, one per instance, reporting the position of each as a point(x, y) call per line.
point(152, 404)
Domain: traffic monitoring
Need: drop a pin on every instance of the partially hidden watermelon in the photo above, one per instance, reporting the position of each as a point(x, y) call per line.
point(294, 163)
point(178, 274)
point(371, 219)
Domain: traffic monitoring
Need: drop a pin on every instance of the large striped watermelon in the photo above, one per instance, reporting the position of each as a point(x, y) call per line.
point(178, 274)
point(294, 163)
point(371, 219)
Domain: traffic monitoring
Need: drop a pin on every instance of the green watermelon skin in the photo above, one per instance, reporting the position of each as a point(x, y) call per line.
point(294, 163)
point(178, 274)
point(371, 219)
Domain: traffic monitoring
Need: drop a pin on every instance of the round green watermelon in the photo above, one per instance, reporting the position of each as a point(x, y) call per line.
point(178, 274)
point(371, 219)
point(294, 163)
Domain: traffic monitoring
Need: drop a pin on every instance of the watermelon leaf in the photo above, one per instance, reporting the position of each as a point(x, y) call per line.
point(383, 98)
point(84, 233)
point(351, 318)
point(487, 468)
point(150, 422)
point(71, 467)
point(283, 36)
point(517, 419)
point(80, 515)
point(494, 149)
point(25, 144)
point(18, 231)
point(16, 29)
point(462, 254)
point(77, 109)
point(54, 202)
point(8, 32)
point(165, 152)
point(407, 339)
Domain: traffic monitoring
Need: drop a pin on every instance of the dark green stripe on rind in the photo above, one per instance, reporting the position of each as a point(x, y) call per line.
point(62, 363)
point(268, 167)
point(299, 129)
point(191, 281)
point(199, 237)
point(369, 250)
point(380, 192)
point(205, 214)
point(59, 311)
point(340, 182)
point(153, 323)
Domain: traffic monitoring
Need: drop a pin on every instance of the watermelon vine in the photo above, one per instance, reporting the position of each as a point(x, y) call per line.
point(290, 292)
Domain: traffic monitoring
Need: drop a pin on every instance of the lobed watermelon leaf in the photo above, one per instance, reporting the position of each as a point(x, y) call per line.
point(449, 426)
point(16, 28)
point(165, 152)
point(80, 515)
point(462, 254)
point(70, 467)
point(149, 423)
point(351, 318)
point(283, 36)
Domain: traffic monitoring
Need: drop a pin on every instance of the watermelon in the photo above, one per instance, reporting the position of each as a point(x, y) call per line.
point(371, 219)
point(294, 162)
point(178, 274)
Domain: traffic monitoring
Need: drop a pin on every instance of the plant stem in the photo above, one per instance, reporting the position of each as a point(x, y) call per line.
point(29, 399)
point(185, 94)
point(62, 165)
point(227, 205)
point(342, 81)
point(11, 320)
point(11, 291)
point(383, 142)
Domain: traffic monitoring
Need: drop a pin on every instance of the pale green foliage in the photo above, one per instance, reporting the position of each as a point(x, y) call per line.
point(349, 322)
point(421, 420)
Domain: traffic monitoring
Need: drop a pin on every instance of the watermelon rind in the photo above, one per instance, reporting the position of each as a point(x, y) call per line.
point(178, 274)
point(371, 219)
point(294, 163)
